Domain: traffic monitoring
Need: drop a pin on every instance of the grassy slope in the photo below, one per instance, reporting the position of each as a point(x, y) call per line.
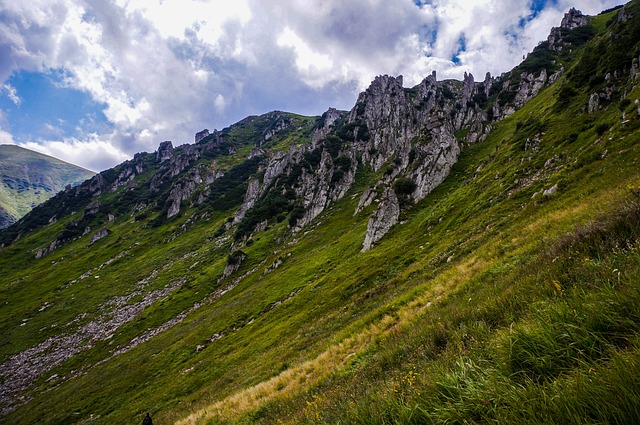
point(524, 324)
point(458, 314)
point(45, 176)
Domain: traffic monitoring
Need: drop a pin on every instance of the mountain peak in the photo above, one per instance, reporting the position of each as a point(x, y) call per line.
point(574, 19)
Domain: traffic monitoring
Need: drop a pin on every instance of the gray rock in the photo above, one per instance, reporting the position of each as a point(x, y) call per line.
point(253, 192)
point(553, 189)
point(571, 20)
point(99, 235)
point(165, 151)
point(179, 192)
point(365, 200)
point(382, 220)
point(594, 103)
point(201, 135)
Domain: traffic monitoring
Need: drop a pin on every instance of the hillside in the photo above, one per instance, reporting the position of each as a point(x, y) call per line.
point(458, 251)
point(30, 178)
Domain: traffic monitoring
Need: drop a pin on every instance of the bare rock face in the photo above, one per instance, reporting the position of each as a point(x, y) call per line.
point(440, 155)
point(594, 103)
point(201, 135)
point(234, 261)
point(279, 122)
point(179, 193)
point(366, 199)
point(99, 235)
point(572, 19)
point(328, 121)
point(530, 85)
point(91, 209)
point(128, 172)
point(253, 192)
point(385, 217)
point(165, 151)
point(314, 190)
point(278, 163)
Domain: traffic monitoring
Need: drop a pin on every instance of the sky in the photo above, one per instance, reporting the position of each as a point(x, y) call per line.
point(93, 82)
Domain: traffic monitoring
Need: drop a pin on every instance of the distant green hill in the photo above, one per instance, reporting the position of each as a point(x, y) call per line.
point(29, 178)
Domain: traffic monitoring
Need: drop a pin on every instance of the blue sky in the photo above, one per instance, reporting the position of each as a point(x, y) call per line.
point(46, 108)
point(95, 81)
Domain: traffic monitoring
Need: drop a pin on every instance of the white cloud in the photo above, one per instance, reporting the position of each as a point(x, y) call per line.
point(6, 138)
point(12, 94)
point(89, 154)
point(315, 68)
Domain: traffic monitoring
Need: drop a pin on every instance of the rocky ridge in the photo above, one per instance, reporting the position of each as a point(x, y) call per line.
point(412, 133)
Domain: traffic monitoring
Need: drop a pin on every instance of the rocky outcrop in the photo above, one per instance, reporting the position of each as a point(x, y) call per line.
point(99, 235)
point(571, 20)
point(594, 103)
point(314, 189)
point(366, 199)
point(165, 151)
point(44, 251)
point(234, 261)
point(253, 191)
point(326, 125)
point(180, 192)
point(385, 217)
point(201, 135)
point(91, 209)
point(529, 87)
point(279, 123)
point(128, 172)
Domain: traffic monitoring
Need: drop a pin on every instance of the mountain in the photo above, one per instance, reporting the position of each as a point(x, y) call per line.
point(30, 178)
point(458, 251)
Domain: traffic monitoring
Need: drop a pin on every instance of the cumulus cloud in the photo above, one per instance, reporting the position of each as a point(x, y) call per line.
point(167, 69)
point(89, 154)
point(6, 138)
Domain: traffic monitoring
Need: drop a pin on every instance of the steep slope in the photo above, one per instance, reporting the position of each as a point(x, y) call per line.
point(401, 261)
point(30, 178)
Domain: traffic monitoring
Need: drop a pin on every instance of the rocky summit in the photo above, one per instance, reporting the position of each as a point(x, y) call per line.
point(456, 251)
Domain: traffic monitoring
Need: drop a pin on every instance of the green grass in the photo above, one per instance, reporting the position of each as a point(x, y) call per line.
point(490, 302)
point(30, 178)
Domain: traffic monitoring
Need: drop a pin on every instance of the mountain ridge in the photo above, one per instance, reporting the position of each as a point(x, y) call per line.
point(29, 178)
point(242, 257)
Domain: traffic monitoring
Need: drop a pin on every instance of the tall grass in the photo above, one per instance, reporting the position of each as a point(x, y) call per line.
point(560, 344)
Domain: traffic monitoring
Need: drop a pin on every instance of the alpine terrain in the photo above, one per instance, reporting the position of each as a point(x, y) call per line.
point(30, 178)
point(454, 252)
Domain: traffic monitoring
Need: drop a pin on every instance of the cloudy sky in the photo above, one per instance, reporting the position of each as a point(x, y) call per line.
point(95, 81)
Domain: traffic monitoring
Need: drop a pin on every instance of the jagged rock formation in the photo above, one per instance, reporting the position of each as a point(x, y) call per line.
point(571, 20)
point(201, 135)
point(382, 220)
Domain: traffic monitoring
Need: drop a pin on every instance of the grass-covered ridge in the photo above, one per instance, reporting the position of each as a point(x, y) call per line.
point(29, 178)
point(508, 294)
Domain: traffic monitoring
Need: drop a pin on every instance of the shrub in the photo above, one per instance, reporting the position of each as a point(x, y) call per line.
point(602, 128)
point(404, 186)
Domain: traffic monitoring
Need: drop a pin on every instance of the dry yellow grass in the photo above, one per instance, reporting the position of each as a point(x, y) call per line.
point(304, 376)
point(296, 379)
